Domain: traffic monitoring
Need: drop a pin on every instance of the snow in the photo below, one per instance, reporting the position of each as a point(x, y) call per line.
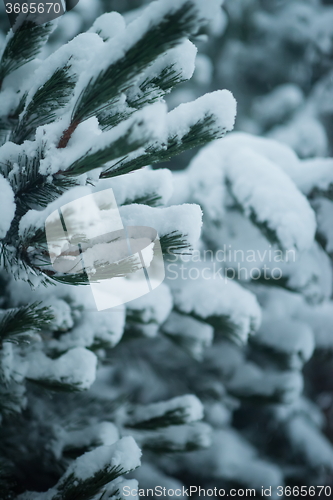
point(181, 59)
point(37, 218)
point(250, 380)
point(139, 184)
point(217, 297)
point(221, 104)
point(188, 408)
point(300, 407)
point(9, 101)
point(125, 454)
point(262, 189)
point(76, 367)
point(149, 476)
point(198, 434)
point(94, 327)
point(153, 309)
point(304, 134)
point(294, 339)
point(119, 485)
point(206, 181)
point(176, 438)
point(7, 206)
point(102, 433)
point(234, 459)
point(108, 25)
point(156, 12)
point(7, 361)
point(324, 212)
point(277, 105)
point(258, 172)
point(310, 274)
point(309, 442)
point(282, 304)
point(315, 173)
point(143, 126)
point(320, 319)
point(62, 314)
point(306, 174)
point(194, 335)
point(184, 219)
point(79, 52)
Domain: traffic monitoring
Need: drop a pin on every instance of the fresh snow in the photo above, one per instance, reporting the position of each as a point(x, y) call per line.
point(195, 335)
point(140, 184)
point(258, 183)
point(184, 219)
point(220, 298)
point(189, 408)
point(7, 206)
point(148, 124)
point(181, 59)
point(262, 189)
point(221, 104)
point(77, 367)
point(291, 338)
point(125, 454)
point(108, 25)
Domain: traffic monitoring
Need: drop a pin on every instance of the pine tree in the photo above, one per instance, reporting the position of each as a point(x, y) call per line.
point(245, 305)
point(276, 58)
point(77, 123)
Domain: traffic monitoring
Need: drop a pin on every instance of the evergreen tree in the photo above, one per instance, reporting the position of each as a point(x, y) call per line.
point(72, 124)
point(244, 305)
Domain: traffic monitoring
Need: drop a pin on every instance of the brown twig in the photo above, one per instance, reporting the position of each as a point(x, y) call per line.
point(68, 134)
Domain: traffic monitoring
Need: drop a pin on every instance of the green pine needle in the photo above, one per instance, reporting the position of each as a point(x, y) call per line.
point(23, 46)
point(121, 74)
point(17, 325)
point(122, 146)
point(177, 416)
point(53, 95)
point(175, 243)
point(199, 134)
point(72, 488)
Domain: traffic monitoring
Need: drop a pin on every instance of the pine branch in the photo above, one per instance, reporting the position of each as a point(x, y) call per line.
point(56, 385)
point(53, 95)
point(199, 134)
point(33, 189)
point(151, 90)
point(176, 416)
point(325, 193)
point(17, 325)
point(23, 46)
point(151, 200)
point(223, 324)
point(128, 141)
point(72, 488)
point(174, 243)
point(120, 75)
